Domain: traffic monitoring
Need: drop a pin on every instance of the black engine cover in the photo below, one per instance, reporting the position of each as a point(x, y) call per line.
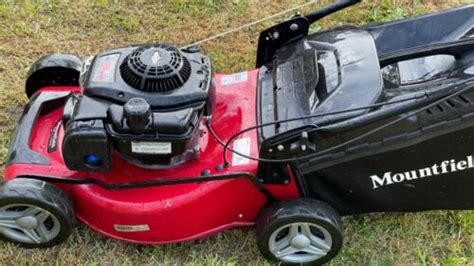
point(163, 75)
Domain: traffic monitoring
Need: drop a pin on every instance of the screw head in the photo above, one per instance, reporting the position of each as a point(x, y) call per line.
point(276, 35)
point(205, 172)
point(280, 147)
point(294, 27)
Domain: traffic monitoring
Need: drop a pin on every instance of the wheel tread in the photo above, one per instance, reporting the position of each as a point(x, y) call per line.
point(279, 213)
point(27, 189)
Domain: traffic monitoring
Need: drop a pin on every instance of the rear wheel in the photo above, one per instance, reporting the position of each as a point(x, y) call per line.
point(34, 214)
point(302, 231)
point(52, 71)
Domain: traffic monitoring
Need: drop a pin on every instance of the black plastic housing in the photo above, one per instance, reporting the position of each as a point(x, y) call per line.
point(111, 86)
point(53, 70)
point(85, 138)
point(20, 151)
point(178, 128)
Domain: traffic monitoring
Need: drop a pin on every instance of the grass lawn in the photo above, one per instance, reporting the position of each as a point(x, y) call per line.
point(30, 30)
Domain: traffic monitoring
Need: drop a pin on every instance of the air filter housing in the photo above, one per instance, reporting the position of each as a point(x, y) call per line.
point(164, 75)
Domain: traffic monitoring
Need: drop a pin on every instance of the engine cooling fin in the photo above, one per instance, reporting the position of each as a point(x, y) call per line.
point(155, 68)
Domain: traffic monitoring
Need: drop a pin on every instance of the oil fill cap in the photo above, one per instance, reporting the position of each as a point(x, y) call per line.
point(137, 113)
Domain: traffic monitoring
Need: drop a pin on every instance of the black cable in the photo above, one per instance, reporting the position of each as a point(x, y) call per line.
point(211, 130)
point(226, 147)
point(226, 144)
point(309, 156)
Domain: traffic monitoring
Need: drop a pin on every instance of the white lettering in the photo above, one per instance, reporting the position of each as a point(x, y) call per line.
point(386, 180)
point(425, 172)
point(435, 169)
point(462, 165)
point(411, 175)
point(398, 178)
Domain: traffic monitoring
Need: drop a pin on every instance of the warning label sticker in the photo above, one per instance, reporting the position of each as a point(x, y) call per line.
point(104, 71)
point(241, 146)
point(151, 147)
point(131, 228)
point(228, 80)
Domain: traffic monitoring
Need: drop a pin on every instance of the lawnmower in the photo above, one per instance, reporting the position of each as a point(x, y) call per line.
point(146, 144)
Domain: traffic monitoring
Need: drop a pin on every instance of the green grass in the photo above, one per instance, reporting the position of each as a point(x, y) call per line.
point(29, 30)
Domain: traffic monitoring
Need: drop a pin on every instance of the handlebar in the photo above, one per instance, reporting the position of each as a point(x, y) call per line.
point(328, 10)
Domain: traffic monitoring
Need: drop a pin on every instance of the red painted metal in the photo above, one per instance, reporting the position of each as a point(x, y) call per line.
point(172, 213)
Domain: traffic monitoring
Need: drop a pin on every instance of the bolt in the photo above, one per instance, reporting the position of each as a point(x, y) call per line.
point(294, 27)
point(286, 182)
point(219, 167)
point(276, 35)
point(270, 150)
point(241, 216)
point(280, 147)
point(303, 147)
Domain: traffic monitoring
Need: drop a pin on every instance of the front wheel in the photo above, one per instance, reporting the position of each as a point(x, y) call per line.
point(34, 214)
point(301, 231)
